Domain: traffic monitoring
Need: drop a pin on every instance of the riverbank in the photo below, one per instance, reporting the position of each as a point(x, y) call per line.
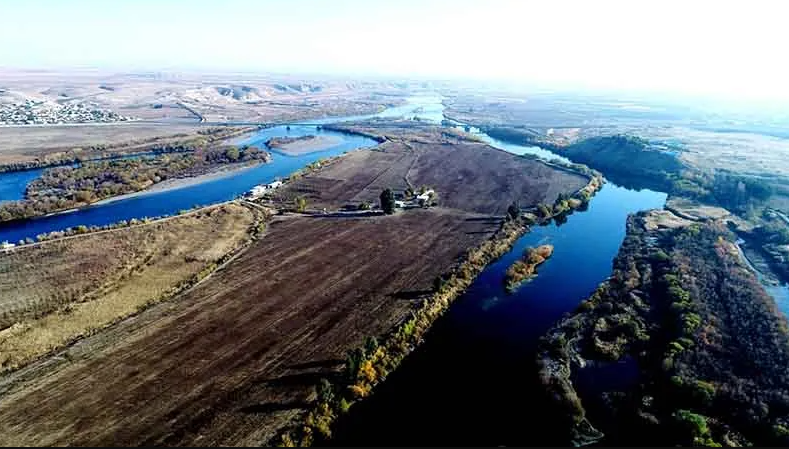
point(370, 364)
point(72, 188)
point(315, 288)
point(293, 146)
point(125, 141)
point(180, 183)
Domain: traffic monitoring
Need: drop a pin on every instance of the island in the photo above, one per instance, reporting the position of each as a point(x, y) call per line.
point(295, 146)
point(525, 269)
point(63, 188)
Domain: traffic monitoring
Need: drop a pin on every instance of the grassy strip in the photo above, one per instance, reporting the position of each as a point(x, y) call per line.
point(369, 365)
point(256, 228)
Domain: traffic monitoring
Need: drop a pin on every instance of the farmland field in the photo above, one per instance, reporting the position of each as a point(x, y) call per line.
point(54, 292)
point(236, 359)
point(467, 175)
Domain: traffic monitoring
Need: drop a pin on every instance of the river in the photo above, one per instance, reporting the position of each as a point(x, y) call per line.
point(473, 381)
point(168, 202)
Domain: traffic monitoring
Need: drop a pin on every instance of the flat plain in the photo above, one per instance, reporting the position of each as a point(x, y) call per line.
point(54, 292)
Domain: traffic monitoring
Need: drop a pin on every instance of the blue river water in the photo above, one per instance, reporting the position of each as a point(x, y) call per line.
point(12, 185)
point(473, 381)
point(171, 201)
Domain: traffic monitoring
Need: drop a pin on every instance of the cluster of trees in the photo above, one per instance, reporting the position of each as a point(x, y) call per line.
point(774, 232)
point(712, 348)
point(525, 268)
point(387, 201)
point(68, 187)
point(232, 153)
point(632, 162)
point(737, 193)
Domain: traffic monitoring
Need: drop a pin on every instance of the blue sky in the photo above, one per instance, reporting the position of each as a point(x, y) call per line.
point(722, 48)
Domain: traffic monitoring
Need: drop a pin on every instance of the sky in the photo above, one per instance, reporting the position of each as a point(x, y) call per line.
point(722, 48)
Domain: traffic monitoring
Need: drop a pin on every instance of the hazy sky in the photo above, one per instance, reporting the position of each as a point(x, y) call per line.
point(730, 48)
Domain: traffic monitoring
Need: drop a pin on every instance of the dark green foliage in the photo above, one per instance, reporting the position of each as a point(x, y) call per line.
point(232, 154)
point(544, 211)
point(693, 427)
point(513, 211)
point(352, 363)
point(388, 201)
point(370, 345)
point(325, 391)
point(438, 283)
point(712, 350)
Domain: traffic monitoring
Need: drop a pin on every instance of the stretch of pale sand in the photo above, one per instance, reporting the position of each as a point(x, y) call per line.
point(179, 183)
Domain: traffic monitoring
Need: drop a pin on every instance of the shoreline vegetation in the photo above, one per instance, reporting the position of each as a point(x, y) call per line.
point(66, 188)
point(670, 308)
point(179, 183)
point(367, 366)
point(176, 143)
point(636, 163)
point(525, 269)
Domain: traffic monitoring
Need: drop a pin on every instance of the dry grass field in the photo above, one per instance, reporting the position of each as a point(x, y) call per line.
point(23, 144)
point(54, 292)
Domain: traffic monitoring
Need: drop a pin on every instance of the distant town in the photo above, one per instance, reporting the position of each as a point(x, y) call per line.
point(33, 112)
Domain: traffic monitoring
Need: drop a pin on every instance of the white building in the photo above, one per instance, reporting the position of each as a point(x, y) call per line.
point(425, 196)
point(259, 190)
point(5, 246)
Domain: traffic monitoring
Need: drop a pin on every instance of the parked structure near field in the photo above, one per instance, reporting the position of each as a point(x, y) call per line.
point(261, 189)
point(424, 197)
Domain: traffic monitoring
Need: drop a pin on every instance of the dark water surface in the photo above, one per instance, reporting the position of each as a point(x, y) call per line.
point(473, 381)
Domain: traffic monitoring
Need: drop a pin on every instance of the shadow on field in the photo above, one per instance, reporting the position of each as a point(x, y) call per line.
point(328, 363)
point(479, 232)
point(270, 407)
point(410, 294)
point(301, 379)
point(488, 220)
